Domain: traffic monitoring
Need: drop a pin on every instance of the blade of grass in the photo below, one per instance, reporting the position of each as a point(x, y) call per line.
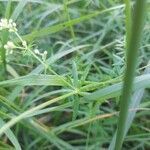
point(69, 19)
point(76, 85)
point(135, 101)
point(81, 122)
point(8, 9)
point(106, 93)
point(31, 123)
point(132, 55)
point(51, 136)
point(32, 110)
point(111, 91)
point(39, 107)
point(30, 80)
point(61, 26)
point(31, 99)
point(11, 136)
point(19, 9)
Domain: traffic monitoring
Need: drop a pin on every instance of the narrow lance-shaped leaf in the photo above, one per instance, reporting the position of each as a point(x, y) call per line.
point(31, 80)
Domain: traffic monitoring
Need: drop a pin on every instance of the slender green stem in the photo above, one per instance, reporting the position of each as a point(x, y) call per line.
point(44, 62)
point(132, 55)
point(128, 22)
point(69, 19)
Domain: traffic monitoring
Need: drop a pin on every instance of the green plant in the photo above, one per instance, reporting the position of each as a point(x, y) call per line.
point(63, 75)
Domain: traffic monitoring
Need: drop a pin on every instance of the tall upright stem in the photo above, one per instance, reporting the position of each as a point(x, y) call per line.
point(132, 56)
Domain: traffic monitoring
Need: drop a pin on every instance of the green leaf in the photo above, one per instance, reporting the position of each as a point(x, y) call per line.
point(142, 81)
point(30, 80)
point(19, 9)
point(11, 136)
point(61, 26)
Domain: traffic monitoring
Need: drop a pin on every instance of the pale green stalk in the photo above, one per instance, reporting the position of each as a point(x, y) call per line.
point(132, 56)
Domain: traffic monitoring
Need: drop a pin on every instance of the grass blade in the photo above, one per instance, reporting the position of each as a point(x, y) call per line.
point(53, 29)
point(32, 110)
point(135, 101)
point(111, 91)
point(30, 80)
point(132, 55)
point(76, 85)
point(11, 136)
point(19, 9)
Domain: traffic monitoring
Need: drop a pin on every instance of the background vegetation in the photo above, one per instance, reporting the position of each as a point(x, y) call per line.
point(71, 101)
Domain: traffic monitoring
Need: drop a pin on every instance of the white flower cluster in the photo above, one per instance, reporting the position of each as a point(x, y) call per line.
point(43, 55)
point(8, 24)
point(9, 47)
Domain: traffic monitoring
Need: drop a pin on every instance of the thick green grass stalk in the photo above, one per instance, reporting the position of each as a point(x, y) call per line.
point(132, 56)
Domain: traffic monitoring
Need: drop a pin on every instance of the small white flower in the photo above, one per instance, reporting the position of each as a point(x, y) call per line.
point(44, 55)
point(10, 21)
point(6, 46)
point(8, 24)
point(36, 51)
point(14, 24)
point(9, 46)
point(11, 51)
point(24, 44)
point(4, 23)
